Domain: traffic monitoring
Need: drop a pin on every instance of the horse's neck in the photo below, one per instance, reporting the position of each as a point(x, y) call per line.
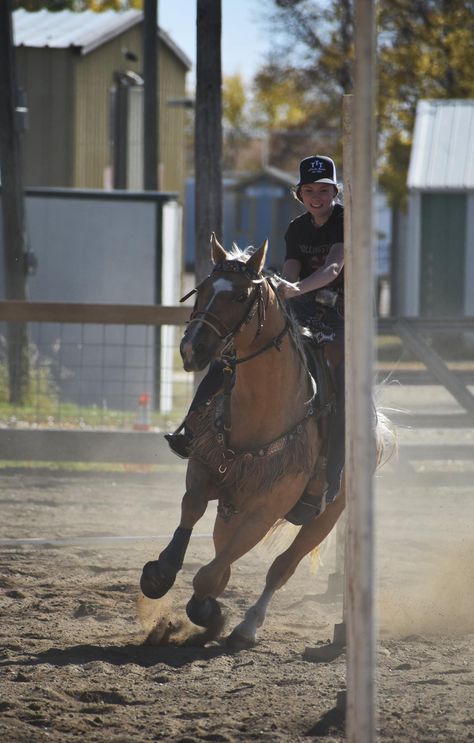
point(271, 389)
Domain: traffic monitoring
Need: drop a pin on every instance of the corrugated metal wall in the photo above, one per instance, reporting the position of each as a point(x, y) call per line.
point(68, 142)
point(172, 154)
point(46, 76)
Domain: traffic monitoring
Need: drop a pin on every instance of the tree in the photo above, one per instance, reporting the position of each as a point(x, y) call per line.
point(77, 5)
point(236, 122)
point(310, 65)
point(425, 51)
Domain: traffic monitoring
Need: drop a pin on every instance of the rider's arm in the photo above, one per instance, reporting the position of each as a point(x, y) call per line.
point(291, 269)
point(321, 277)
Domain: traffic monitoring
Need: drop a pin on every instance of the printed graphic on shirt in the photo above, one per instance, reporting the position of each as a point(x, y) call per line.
point(313, 256)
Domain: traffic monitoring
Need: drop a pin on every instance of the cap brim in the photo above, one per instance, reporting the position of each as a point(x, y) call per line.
point(317, 180)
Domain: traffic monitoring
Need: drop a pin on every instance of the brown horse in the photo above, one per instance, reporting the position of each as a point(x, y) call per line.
point(256, 444)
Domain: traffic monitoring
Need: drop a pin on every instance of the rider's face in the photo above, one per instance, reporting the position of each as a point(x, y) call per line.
point(318, 199)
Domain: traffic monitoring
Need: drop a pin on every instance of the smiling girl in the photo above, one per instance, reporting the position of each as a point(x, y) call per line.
point(314, 270)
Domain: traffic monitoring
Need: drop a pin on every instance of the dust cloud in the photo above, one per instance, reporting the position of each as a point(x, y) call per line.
point(439, 602)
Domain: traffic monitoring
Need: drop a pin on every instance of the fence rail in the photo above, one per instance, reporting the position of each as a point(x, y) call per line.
point(109, 365)
point(97, 314)
point(91, 363)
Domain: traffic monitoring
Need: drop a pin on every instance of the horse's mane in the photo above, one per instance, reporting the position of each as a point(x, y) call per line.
point(295, 329)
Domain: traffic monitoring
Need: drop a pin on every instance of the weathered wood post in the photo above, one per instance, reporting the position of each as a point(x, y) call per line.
point(208, 131)
point(360, 445)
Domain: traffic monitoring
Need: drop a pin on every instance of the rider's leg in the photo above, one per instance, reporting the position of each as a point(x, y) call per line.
point(180, 441)
point(336, 443)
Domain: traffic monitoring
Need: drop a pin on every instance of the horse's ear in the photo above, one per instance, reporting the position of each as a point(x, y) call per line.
point(218, 253)
point(257, 261)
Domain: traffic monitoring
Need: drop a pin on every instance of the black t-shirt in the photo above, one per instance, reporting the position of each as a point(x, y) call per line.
point(310, 245)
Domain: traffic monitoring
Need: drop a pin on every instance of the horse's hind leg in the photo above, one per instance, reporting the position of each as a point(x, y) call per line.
point(159, 575)
point(308, 538)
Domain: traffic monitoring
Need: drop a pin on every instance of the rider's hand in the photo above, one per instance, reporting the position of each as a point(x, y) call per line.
point(287, 290)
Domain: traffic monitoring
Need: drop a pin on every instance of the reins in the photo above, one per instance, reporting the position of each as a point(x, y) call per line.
point(228, 356)
point(229, 369)
point(213, 321)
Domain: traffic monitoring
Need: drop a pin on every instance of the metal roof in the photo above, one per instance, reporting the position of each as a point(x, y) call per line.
point(86, 30)
point(442, 155)
point(281, 176)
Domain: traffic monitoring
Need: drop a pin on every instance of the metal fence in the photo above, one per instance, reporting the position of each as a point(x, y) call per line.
point(118, 366)
point(109, 366)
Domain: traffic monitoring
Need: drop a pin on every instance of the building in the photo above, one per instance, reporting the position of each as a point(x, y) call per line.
point(438, 260)
point(74, 68)
point(256, 206)
point(261, 205)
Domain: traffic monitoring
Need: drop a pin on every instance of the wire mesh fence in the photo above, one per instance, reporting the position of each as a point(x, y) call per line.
point(112, 374)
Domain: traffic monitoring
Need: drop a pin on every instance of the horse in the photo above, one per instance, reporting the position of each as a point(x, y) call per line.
point(256, 444)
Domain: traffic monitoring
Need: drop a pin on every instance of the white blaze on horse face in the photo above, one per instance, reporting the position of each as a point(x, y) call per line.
point(219, 285)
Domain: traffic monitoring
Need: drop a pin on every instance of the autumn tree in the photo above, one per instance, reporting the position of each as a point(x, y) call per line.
point(77, 5)
point(425, 50)
point(311, 66)
point(236, 122)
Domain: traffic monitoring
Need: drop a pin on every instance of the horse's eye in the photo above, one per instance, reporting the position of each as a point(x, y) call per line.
point(242, 297)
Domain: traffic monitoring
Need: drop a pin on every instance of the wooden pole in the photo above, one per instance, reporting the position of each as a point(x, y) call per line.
point(342, 528)
point(13, 209)
point(360, 447)
point(208, 132)
point(150, 96)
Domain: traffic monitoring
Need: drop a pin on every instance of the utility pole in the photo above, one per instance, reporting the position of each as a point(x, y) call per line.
point(208, 131)
point(14, 232)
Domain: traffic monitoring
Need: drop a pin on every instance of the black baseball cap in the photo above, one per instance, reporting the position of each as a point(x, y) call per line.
point(317, 169)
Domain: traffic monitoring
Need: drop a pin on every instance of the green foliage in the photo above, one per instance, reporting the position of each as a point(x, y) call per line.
point(425, 50)
point(77, 5)
point(393, 172)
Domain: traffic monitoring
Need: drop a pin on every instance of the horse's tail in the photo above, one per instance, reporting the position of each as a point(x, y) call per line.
point(386, 444)
point(280, 536)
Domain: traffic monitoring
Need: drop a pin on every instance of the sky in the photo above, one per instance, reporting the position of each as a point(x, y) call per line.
point(244, 35)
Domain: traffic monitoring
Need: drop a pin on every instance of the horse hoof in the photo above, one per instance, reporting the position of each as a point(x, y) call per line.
point(156, 581)
point(236, 641)
point(206, 613)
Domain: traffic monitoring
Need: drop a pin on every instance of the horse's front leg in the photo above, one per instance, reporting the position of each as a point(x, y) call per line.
point(234, 537)
point(159, 575)
point(308, 538)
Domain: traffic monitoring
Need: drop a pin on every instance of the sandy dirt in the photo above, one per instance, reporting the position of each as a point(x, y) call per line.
point(73, 663)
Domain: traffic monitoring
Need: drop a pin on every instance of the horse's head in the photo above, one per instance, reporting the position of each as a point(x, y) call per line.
point(226, 302)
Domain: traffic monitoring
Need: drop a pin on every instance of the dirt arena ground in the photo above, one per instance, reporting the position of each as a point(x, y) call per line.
point(73, 663)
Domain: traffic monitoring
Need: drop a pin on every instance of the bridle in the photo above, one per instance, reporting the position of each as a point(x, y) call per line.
point(257, 305)
point(228, 356)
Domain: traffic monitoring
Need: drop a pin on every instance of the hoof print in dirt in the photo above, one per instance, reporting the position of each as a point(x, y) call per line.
point(84, 610)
